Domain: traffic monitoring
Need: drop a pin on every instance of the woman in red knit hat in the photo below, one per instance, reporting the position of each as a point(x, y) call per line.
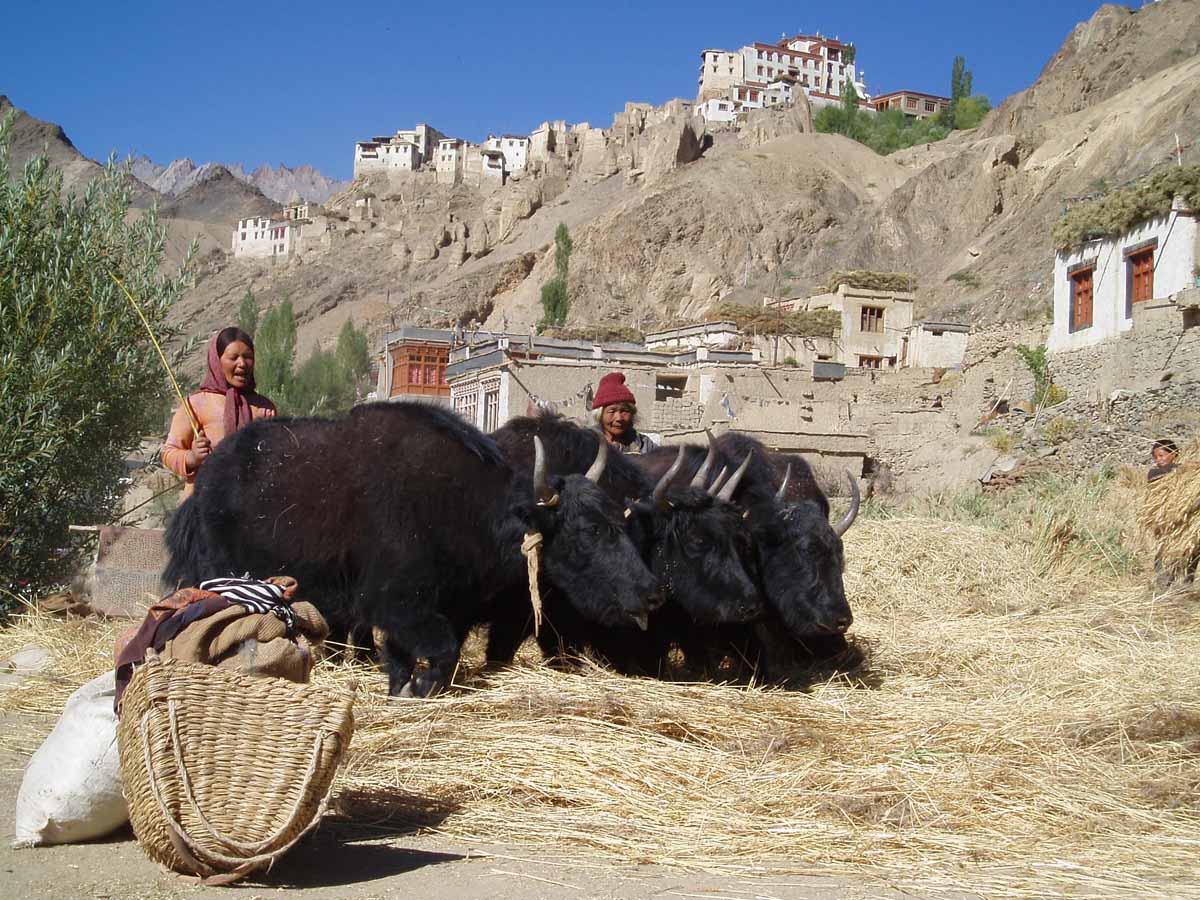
point(615, 411)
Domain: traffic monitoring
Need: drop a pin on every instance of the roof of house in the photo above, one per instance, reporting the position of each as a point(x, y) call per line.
point(890, 94)
point(781, 48)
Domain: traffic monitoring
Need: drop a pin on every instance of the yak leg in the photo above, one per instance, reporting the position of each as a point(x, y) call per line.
point(421, 646)
point(506, 632)
point(420, 653)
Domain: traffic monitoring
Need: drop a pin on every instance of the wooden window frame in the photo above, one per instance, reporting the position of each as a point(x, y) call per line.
point(867, 361)
point(871, 319)
point(1140, 263)
point(1074, 275)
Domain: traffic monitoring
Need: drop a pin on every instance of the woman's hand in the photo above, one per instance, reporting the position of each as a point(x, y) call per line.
point(201, 448)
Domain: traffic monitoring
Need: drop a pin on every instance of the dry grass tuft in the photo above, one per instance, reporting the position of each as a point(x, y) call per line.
point(1032, 732)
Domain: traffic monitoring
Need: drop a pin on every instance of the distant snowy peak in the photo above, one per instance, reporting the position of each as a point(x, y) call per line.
point(281, 184)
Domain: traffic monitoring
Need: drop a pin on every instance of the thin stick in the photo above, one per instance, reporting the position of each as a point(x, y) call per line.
point(196, 429)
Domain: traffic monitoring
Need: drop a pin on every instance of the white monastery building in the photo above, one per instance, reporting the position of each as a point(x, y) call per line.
point(300, 226)
point(761, 75)
point(1100, 287)
point(514, 147)
point(405, 151)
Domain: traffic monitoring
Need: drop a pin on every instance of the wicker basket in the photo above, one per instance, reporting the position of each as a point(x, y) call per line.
point(223, 771)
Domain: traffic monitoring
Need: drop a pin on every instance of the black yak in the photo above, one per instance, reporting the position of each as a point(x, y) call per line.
point(696, 545)
point(416, 517)
point(799, 556)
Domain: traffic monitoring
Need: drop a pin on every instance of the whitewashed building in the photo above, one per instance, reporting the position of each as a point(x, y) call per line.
point(724, 335)
point(450, 160)
point(817, 65)
point(262, 237)
point(298, 226)
point(1099, 286)
point(515, 149)
point(934, 345)
point(716, 110)
point(404, 151)
point(874, 325)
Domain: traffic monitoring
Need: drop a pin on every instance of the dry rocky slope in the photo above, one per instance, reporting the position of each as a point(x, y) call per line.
point(667, 220)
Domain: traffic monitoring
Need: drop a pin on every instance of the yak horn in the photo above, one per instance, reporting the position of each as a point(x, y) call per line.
point(598, 464)
point(718, 481)
point(726, 492)
point(787, 475)
point(702, 473)
point(660, 489)
point(852, 513)
point(541, 488)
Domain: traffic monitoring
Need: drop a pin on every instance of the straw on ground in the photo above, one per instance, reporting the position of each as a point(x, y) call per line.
point(1021, 729)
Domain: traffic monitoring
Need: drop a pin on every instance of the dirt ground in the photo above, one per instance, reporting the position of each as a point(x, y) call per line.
point(343, 861)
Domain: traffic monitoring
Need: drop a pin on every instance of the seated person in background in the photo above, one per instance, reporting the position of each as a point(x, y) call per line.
point(615, 411)
point(1164, 453)
point(225, 402)
point(1169, 573)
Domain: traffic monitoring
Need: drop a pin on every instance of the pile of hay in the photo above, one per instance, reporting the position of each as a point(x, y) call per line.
point(600, 333)
point(1122, 209)
point(871, 281)
point(1171, 508)
point(761, 320)
point(1015, 731)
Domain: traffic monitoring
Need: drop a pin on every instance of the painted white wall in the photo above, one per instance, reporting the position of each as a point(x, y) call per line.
point(261, 237)
point(716, 110)
point(1174, 259)
point(929, 350)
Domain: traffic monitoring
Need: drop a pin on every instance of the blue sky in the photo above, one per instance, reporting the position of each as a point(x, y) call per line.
point(298, 82)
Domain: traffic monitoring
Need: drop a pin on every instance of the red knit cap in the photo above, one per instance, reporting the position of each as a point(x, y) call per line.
point(612, 390)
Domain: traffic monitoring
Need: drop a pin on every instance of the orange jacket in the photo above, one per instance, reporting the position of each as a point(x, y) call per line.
point(210, 410)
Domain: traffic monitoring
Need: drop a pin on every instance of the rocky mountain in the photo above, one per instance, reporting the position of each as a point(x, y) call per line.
point(282, 184)
point(668, 217)
point(32, 137)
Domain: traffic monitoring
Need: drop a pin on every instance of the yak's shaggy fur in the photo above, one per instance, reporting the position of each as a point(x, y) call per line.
point(405, 518)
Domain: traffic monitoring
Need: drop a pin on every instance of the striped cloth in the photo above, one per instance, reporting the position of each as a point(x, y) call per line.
point(257, 596)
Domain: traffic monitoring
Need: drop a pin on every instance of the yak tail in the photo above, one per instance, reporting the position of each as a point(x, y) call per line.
point(188, 565)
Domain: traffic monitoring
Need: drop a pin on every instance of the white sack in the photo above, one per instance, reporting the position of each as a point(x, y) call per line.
point(71, 790)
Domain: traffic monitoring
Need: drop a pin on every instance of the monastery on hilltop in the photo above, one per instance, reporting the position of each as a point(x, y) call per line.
point(760, 75)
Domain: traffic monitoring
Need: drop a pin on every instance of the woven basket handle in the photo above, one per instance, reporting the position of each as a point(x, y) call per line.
point(184, 844)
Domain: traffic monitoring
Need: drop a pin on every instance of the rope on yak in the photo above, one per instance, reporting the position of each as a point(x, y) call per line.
point(531, 549)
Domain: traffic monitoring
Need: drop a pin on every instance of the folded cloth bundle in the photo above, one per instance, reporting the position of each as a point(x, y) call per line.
point(240, 623)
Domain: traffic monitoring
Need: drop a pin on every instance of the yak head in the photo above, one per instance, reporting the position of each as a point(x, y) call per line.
point(588, 554)
point(699, 548)
point(800, 562)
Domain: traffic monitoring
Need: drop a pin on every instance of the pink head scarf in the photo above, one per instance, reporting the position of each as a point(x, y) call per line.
point(237, 401)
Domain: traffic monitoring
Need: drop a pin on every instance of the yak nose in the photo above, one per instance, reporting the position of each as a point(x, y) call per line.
point(654, 601)
point(842, 623)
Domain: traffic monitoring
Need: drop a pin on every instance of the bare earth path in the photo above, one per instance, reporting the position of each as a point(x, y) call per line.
point(343, 861)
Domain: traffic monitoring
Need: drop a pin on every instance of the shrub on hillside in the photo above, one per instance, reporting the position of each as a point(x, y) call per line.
point(80, 383)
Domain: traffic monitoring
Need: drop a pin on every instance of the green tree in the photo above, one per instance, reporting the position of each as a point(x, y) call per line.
point(556, 302)
point(969, 111)
point(959, 79)
point(353, 352)
point(275, 353)
point(248, 313)
point(966, 108)
point(80, 383)
point(321, 387)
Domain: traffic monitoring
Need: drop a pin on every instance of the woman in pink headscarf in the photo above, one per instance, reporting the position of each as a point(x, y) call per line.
point(225, 402)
